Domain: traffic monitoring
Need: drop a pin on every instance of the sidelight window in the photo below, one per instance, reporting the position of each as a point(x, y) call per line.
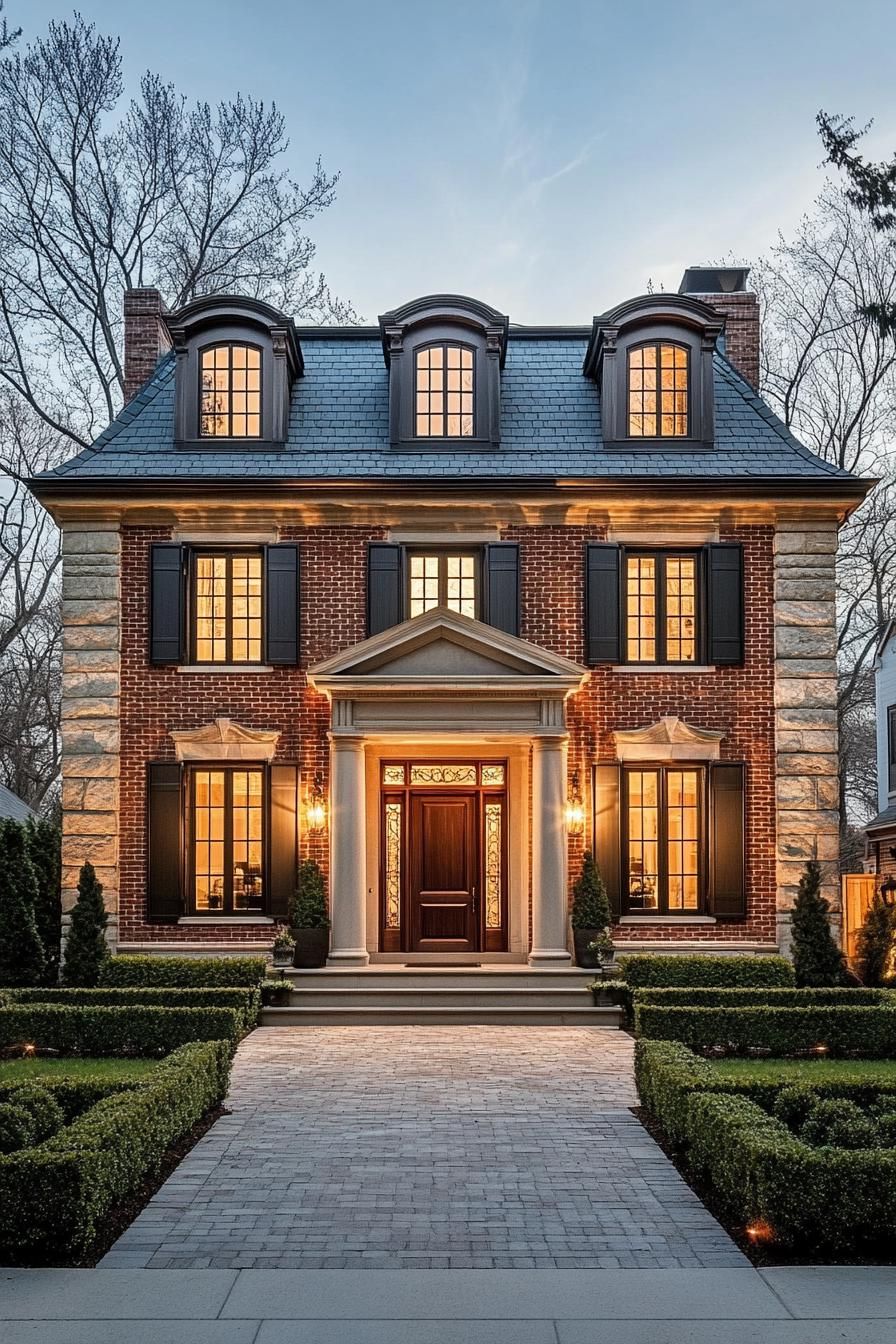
point(227, 840)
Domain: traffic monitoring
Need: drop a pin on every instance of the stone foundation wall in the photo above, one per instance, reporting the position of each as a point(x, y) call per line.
point(91, 688)
point(806, 710)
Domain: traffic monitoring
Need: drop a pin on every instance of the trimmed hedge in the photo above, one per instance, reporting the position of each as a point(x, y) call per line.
point(869, 1030)
point(748, 998)
point(183, 972)
point(54, 1197)
point(247, 1002)
point(75, 1095)
point(136, 1030)
point(657, 971)
point(760, 1171)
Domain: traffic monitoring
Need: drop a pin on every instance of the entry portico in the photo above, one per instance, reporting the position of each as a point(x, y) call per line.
point(442, 729)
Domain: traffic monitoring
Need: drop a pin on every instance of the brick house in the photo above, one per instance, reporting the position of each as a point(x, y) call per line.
point(440, 603)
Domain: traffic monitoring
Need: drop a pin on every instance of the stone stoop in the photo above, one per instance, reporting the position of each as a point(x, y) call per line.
point(396, 995)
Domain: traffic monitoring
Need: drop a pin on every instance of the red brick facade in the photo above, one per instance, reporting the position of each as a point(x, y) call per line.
point(736, 700)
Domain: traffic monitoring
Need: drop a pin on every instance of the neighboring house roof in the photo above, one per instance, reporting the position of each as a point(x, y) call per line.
point(12, 807)
point(885, 636)
point(883, 820)
point(550, 427)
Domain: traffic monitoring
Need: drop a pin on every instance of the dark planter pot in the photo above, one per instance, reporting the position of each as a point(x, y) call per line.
point(581, 938)
point(276, 996)
point(283, 957)
point(312, 946)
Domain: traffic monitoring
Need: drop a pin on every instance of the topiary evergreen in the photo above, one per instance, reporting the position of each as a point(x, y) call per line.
point(86, 948)
point(45, 1111)
point(817, 960)
point(590, 905)
point(21, 954)
point(44, 848)
point(308, 908)
point(875, 941)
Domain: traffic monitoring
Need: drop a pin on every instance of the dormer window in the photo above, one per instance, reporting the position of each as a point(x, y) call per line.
point(444, 354)
point(652, 359)
point(230, 391)
point(444, 391)
point(658, 391)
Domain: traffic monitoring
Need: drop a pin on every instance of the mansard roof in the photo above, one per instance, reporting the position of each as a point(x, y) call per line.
point(339, 428)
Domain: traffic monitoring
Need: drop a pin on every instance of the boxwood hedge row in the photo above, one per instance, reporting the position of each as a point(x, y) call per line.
point(76, 1095)
point(862, 1030)
point(760, 1171)
point(644, 970)
point(245, 1001)
point(182, 972)
point(55, 1196)
point(115, 1030)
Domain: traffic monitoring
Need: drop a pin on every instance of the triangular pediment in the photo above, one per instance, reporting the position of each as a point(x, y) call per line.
point(443, 646)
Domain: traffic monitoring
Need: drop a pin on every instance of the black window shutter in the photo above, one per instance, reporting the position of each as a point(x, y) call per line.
point(502, 586)
point(603, 623)
point(166, 604)
point(165, 845)
point(607, 834)
point(283, 846)
point(725, 602)
point(282, 604)
point(728, 894)
point(384, 605)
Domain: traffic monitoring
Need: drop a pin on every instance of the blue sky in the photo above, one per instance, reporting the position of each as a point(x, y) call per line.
point(547, 156)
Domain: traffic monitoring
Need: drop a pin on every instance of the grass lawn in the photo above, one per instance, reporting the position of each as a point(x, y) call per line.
point(807, 1070)
point(112, 1070)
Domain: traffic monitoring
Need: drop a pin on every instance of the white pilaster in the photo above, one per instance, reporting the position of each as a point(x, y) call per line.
point(549, 861)
point(347, 857)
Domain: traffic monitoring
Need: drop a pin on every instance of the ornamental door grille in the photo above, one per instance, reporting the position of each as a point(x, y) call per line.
point(443, 856)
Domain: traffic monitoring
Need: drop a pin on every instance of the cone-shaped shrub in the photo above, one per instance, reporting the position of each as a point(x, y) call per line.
point(875, 941)
point(21, 954)
point(309, 905)
point(44, 848)
point(817, 960)
point(590, 906)
point(86, 948)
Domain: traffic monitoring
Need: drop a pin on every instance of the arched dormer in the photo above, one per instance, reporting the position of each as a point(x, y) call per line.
point(444, 353)
point(652, 359)
point(236, 362)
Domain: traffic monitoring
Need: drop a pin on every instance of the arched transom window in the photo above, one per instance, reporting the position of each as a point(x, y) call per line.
point(658, 391)
point(444, 392)
point(230, 388)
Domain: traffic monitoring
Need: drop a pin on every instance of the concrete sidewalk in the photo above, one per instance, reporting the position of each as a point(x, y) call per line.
point(820, 1305)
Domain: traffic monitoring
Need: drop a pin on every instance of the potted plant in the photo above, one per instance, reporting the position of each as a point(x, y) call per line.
point(590, 916)
point(308, 918)
point(602, 948)
point(284, 946)
point(276, 993)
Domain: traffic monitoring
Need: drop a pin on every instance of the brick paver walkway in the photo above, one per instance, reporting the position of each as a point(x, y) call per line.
point(427, 1148)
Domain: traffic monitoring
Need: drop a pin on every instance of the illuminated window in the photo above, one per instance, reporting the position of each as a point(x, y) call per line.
point(230, 392)
point(227, 607)
point(443, 392)
point(663, 844)
point(227, 840)
point(661, 608)
point(658, 391)
point(440, 579)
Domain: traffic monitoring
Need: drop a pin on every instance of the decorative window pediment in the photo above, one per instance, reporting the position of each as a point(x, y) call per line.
point(224, 740)
point(237, 360)
point(444, 353)
point(670, 739)
point(652, 359)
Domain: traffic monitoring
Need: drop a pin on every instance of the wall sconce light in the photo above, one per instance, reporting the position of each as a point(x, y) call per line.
point(575, 808)
point(888, 890)
point(316, 811)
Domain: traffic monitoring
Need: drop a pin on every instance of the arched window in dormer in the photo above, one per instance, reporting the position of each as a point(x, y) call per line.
point(230, 391)
point(444, 391)
point(658, 390)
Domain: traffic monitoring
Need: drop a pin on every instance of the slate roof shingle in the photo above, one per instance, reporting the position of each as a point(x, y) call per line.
point(339, 428)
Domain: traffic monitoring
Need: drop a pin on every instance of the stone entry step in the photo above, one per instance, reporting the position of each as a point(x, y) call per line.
point(392, 995)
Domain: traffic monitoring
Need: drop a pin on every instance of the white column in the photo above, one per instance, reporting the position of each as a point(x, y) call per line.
point(348, 887)
point(549, 864)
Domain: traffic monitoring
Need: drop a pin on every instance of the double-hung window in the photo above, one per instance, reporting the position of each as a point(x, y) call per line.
point(663, 823)
point(662, 607)
point(227, 616)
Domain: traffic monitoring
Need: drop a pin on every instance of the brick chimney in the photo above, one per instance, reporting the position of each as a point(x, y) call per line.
point(146, 337)
point(725, 289)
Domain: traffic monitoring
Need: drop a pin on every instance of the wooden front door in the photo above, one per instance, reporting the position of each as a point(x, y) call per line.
point(444, 871)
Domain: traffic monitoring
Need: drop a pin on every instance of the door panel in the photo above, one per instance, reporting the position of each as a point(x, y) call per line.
point(444, 865)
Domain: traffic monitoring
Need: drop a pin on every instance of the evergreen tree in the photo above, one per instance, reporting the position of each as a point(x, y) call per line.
point(44, 849)
point(590, 905)
point(875, 941)
point(86, 948)
point(817, 960)
point(308, 909)
point(21, 954)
